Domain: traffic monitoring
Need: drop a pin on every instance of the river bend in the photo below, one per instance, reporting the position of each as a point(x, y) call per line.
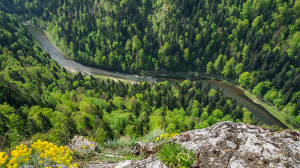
point(258, 111)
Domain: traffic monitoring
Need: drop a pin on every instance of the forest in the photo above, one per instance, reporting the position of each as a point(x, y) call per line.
point(255, 42)
point(41, 100)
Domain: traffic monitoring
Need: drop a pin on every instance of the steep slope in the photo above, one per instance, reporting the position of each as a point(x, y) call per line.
point(255, 42)
point(22, 61)
point(41, 100)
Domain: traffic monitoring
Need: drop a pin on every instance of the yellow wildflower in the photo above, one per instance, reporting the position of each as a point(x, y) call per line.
point(45, 150)
point(15, 165)
point(3, 158)
point(166, 136)
point(50, 151)
point(19, 155)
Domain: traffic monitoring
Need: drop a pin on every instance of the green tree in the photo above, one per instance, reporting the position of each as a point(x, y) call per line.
point(247, 116)
point(257, 23)
point(186, 54)
point(209, 67)
point(217, 113)
point(136, 44)
point(228, 70)
point(242, 28)
point(195, 112)
point(261, 88)
point(245, 79)
point(220, 62)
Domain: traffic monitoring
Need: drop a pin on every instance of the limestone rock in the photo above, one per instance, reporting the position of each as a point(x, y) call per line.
point(79, 143)
point(150, 162)
point(145, 148)
point(229, 144)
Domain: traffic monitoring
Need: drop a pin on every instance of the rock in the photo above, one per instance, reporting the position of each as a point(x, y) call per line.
point(229, 144)
point(150, 162)
point(145, 148)
point(79, 143)
point(53, 166)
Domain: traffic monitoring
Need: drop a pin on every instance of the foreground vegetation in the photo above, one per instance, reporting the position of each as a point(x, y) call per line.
point(40, 154)
point(46, 154)
point(173, 155)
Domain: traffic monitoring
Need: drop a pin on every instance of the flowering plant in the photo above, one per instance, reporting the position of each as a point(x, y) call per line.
point(165, 136)
point(41, 154)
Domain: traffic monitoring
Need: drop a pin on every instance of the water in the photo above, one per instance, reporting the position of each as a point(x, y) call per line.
point(40, 36)
point(229, 90)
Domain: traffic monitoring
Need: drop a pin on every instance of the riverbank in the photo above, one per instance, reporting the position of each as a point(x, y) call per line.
point(271, 108)
point(74, 71)
point(267, 106)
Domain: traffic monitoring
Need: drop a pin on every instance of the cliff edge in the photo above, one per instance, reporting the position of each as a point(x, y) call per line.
point(234, 145)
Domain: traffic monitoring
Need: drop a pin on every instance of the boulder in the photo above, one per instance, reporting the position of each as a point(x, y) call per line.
point(79, 143)
point(145, 148)
point(229, 144)
point(150, 162)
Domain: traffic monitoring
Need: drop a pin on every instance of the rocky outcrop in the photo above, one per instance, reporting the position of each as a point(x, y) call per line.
point(230, 144)
point(79, 143)
point(145, 148)
point(150, 162)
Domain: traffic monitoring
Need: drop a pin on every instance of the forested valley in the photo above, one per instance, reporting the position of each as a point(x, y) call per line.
point(254, 42)
point(41, 100)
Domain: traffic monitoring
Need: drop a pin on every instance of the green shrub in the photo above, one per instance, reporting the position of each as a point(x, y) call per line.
point(173, 155)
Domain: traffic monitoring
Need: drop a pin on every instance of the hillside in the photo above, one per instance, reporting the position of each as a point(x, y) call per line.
point(254, 42)
point(42, 101)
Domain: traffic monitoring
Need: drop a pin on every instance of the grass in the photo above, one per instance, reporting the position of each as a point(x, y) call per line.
point(173, 155)
point(121, 148)
point(118, 150)
point(122, 142)
point(115, 150)
point(152, 136)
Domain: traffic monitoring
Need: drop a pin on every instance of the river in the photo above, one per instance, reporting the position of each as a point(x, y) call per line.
point(229, 90)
